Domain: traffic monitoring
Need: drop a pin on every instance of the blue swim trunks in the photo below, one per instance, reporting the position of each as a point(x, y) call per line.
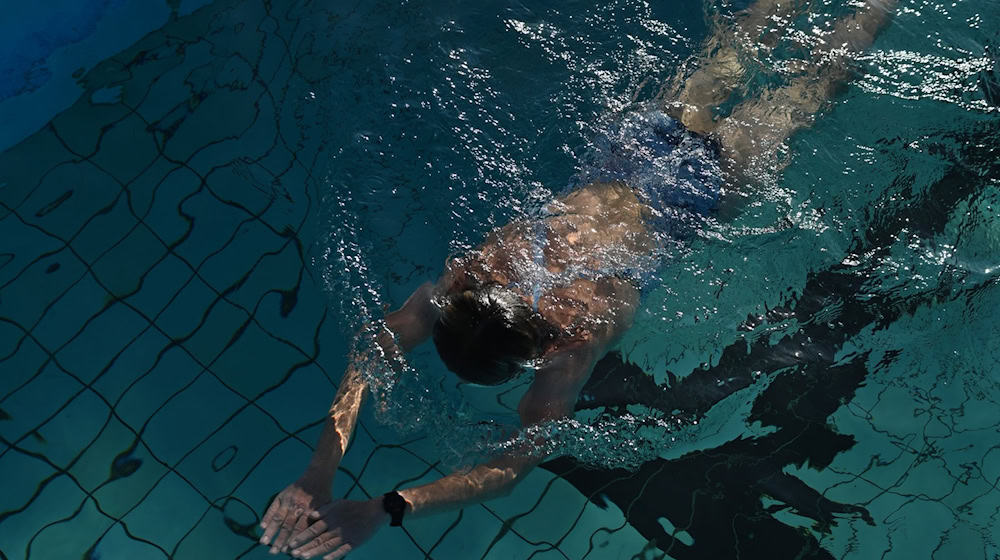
point(674, 170)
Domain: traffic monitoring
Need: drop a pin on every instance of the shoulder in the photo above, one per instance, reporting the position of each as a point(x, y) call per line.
point(557, 384)
point(593, 311)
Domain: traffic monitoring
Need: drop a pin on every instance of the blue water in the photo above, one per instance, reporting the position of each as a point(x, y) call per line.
point(193, 228)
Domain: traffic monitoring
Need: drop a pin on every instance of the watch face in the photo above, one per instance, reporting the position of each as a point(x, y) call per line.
point(395, 506)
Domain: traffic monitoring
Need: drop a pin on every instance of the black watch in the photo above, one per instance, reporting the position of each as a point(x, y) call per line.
point(395, 506)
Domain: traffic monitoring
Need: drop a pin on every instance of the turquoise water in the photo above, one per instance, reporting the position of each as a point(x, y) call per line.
point(201, 206)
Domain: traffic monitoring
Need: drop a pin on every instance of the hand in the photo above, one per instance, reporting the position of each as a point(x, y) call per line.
point(291, 511)
point(342, 526)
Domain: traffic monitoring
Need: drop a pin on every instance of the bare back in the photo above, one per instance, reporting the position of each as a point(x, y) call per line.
point(567, 264)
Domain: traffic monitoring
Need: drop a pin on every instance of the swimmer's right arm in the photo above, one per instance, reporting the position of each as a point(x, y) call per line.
point(292, 509)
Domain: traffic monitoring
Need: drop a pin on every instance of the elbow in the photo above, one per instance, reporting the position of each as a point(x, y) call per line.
point(508, 479)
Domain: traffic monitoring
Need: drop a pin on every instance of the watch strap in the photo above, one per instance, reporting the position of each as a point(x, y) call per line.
point(395, 506)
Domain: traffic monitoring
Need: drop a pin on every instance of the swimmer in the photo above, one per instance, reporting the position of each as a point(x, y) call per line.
point(557, 291)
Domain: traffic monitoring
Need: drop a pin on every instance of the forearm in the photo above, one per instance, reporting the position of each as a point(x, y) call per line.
point(483, 482)
point(339, 426)
point(343, 413)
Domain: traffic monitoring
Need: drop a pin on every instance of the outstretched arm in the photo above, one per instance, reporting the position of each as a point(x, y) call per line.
point(293, 507)
point(346, 524)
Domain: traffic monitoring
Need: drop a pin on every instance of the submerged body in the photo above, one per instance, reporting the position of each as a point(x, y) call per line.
point(553, 292)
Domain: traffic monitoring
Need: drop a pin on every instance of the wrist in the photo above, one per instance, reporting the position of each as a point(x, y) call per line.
point(315, 480)
point(394, 508)
point(323, 468)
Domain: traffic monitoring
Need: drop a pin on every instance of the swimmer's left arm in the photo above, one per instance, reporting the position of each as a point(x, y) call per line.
point(345, 525)
point(291, 509)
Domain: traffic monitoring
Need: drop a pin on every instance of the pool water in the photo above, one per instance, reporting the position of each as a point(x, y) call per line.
point(202, 202)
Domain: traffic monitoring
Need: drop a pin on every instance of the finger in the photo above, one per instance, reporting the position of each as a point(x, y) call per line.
point(307, 535)
point(300, 526)
point(291, 516)
point(317, 513)
point(294, 523)
point(272, 523)
point(339, 553)
point(275, 504)
point(325, 543)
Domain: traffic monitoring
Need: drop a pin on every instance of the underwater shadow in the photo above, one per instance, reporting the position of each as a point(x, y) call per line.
point(716, 495)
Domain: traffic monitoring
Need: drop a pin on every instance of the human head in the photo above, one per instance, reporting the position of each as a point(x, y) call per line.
point(486, 335)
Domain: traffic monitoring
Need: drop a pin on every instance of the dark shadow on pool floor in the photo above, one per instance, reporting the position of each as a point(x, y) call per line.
point(715, 495)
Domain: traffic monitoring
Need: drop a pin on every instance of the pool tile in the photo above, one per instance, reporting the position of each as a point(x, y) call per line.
point(217, 118)
point(187, 310)
point(116, 543)
point(601, 533)
point(121, 269)
point(66, 538)
point(24, 165)
point(94, 466)
point(169, 89)
point(11, 337)
point(160, 284)
point(135, 360)
point(555, 513)
point(297, 317)
point(126, 150)
point(34, 403)
point(69, 196)
point(392, 467)
point(301, 400)
point(274, 272)
point(224, 532)
point(251, 372)
point(388, 544)
point(911, 539)
point(130, 473)
point(290, 210)
point(58, 500)
point(224, 269)
point(171, 499)
point(21, 246)
point(243, 183)
point(149, 391)
point(195, 412)
point(21, 475)
point(104, 337)
point(141, 190)
point(282, 465)
point(166, 216)
point(512, 546)
point(26, 298)
point(81, 130)
point(214, 224)
point(19, 368)
point(277, 163)
point(470, 538)
point(245, 95)
point(220, 464)
point(222, 324)
point(104, 231)
point(63, 438)
point(272, 62)
point(68, 315)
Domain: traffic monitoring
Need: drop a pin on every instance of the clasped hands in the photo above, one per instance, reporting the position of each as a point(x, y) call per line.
point(305, 522)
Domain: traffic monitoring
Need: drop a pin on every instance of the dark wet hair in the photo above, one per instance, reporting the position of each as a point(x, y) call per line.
point(486, 335)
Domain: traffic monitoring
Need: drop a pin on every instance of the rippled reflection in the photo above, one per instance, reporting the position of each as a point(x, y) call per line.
point(482, 117)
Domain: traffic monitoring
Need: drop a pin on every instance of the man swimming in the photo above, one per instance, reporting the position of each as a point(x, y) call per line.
point(558, 290)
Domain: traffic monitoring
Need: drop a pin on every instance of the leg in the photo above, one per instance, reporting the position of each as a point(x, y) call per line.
point(753, 135)
point(722, 69)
